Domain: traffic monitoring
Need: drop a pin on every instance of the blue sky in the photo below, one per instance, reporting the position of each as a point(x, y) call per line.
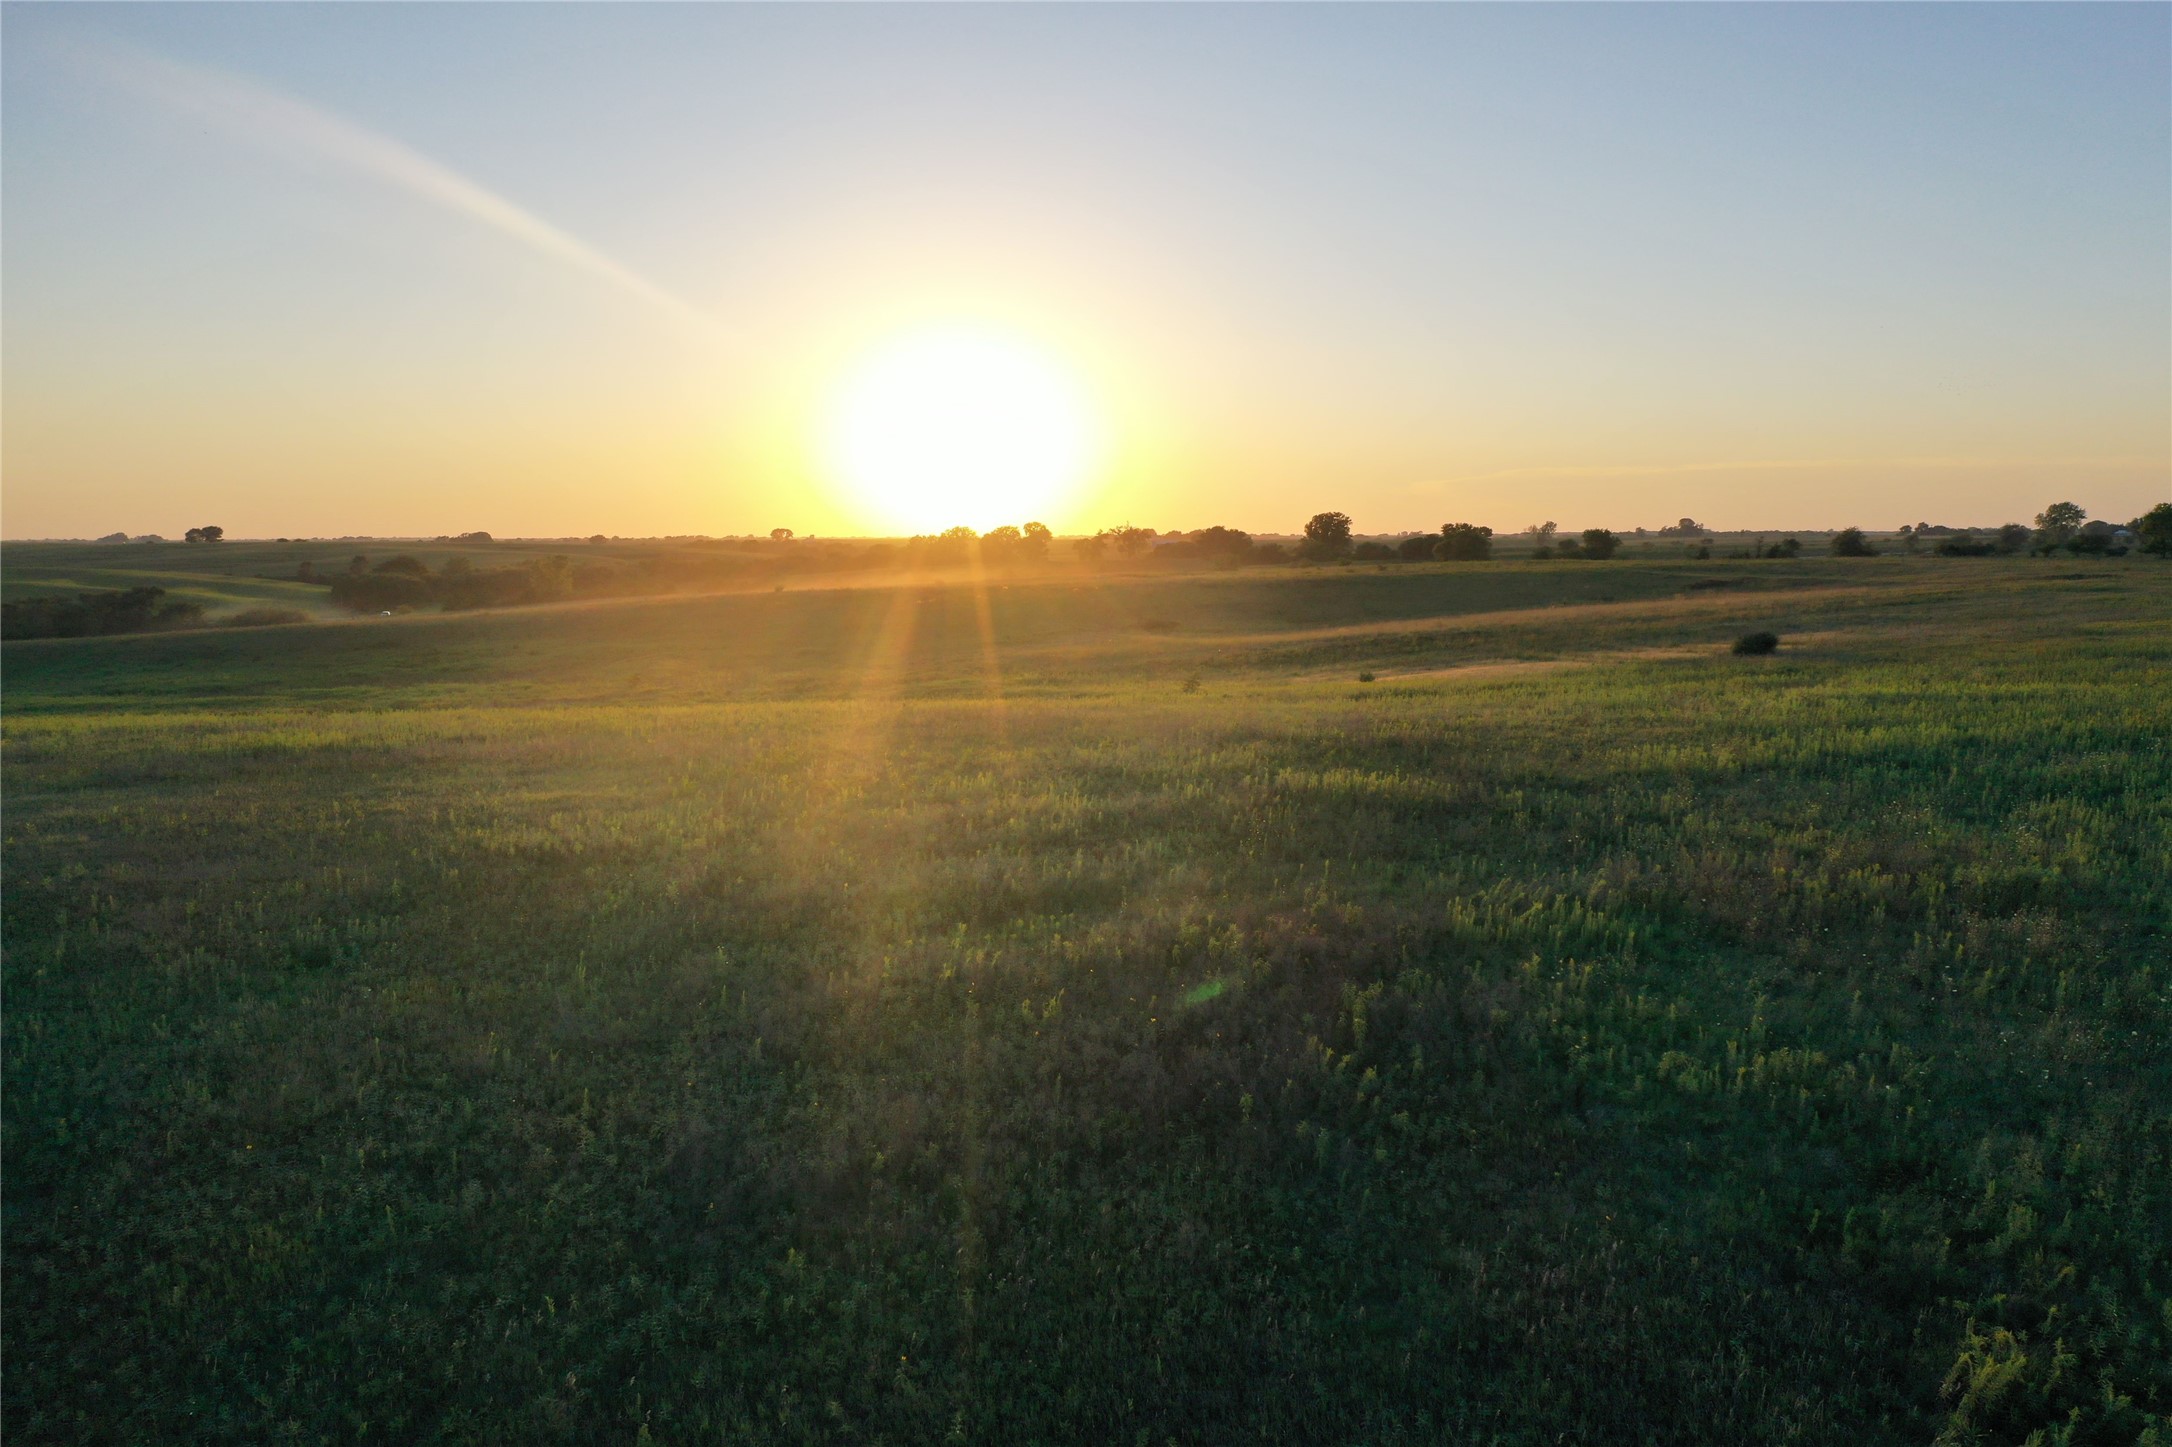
point(1771, 266)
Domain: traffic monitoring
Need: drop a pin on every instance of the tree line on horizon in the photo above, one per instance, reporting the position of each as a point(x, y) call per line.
point(404, 583)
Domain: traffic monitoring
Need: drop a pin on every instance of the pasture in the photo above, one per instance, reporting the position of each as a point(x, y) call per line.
point(1080, 1010)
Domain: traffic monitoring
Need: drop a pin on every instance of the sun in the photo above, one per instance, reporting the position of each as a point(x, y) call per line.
point(959, 424)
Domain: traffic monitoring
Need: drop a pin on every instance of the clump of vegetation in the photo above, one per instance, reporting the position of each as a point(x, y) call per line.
point(1757, 643)
point(1851, 543)
point(2153, 530)
point(1365, 677)
point(85, 615)
point(1464, 543)
point(1327, 537)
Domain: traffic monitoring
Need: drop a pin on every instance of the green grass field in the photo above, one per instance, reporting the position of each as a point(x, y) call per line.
point(1083, 1011)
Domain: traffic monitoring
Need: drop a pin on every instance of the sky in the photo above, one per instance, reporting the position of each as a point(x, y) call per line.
point(553, 270)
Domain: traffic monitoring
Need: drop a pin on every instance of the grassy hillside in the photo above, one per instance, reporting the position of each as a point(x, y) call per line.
point(251, 573)
point(1085, 1011)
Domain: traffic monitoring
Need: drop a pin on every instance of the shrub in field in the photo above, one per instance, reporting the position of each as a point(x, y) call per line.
point(1757, 643)
point(1599, 543)
point(1850, 543)
point(1966, 545)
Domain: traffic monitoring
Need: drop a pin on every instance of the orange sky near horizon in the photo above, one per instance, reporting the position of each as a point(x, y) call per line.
point(552, 273)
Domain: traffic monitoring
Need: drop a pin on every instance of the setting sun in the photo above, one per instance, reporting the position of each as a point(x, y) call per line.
point(958, 424)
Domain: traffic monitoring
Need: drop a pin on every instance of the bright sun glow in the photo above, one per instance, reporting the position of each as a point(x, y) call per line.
point(959, 425)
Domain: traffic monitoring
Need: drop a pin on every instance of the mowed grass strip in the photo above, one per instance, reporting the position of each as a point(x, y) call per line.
point(1689, 1049)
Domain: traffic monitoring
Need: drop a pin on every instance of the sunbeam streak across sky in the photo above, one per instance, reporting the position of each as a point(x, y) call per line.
point(258, 116)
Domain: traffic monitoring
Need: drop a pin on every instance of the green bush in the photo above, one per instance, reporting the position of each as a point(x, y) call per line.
point(1757, 643)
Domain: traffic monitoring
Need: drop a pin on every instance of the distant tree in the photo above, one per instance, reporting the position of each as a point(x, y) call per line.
point(1599, 543)
point(305, 572)
point(1091, 550)
point(404, 566)
point(1127, 541)
point(114, 538)
point(474, 537)
point(1034, 539)
point(204, 535)
point(358, 564)
point(2094, 540)
point(1785, 548)
point(2013, 538)
point(1418, 547)
point(2154, 530)
point(1373, 553)
point(1327, 536)
point(1965, 545)
point(132, 610)
point(1850, 543)
point(1464, 543)
point(193, 535)
point(1540, 532)
point(2056, 525)
point(597, 538)
point(1221, 545)
point(780, 535)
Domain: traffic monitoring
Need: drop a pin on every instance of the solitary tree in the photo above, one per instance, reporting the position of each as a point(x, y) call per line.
point(204, 535)
point(1850, 543)
point(1034, 539)
point(2057, 524)
point(1327, 535)
point(780, 535)
point(1599, 543)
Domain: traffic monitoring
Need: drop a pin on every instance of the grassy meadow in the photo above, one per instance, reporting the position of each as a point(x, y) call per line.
point(1085, 1011)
